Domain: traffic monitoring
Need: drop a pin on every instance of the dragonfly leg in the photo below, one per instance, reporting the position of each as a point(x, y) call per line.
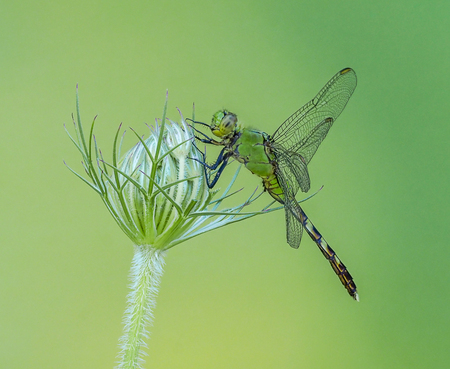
point(220, 163)
point(206, 138)
point(197, 122)
point(222, 157)
point(212, 183)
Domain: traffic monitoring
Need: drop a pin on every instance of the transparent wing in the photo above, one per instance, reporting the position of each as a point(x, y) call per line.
point(304, 130)
point(308, 145)
point(287, 172)
point(294, 229)
point(292, 167)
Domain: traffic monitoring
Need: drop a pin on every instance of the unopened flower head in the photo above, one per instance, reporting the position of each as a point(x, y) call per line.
point(159, 181)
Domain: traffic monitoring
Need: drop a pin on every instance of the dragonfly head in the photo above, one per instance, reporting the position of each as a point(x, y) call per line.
point(224, 124)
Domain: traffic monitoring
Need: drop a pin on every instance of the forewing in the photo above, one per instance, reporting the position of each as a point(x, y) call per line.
point(308, 146)
point(323, 110)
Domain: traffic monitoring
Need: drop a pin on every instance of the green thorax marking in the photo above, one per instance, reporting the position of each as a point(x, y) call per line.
point(252, 148)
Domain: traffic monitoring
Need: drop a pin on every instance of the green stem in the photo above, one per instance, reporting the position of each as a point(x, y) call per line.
point(145, 275)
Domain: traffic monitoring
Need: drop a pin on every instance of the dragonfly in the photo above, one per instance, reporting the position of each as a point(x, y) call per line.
point(281, 159)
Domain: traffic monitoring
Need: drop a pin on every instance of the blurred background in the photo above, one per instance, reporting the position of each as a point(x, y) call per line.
point(238, 297)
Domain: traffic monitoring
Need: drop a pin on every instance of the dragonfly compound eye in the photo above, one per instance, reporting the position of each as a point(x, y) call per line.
point(223, 123)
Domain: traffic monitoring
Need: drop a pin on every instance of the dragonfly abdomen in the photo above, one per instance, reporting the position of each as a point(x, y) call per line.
point(337, 265)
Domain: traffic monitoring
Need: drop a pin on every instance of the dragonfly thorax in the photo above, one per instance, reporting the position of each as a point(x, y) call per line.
point(224, 124)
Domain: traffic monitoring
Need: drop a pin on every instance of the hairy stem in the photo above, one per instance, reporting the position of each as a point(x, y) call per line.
point(145, 275)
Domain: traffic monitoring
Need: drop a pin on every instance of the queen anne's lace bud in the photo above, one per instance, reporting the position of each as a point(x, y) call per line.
point(159, 185)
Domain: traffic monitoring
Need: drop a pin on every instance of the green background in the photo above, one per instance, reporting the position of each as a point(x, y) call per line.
point(238, 297)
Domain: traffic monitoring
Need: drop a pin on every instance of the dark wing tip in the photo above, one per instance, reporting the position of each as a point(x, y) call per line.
point(345, 70)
